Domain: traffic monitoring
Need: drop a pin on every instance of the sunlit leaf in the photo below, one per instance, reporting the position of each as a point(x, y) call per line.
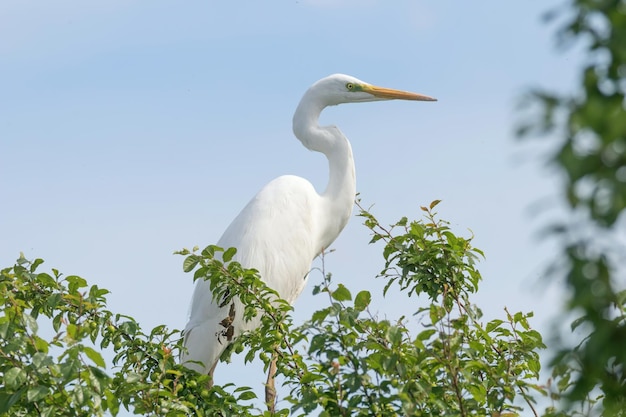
point(96, 357)
point(341, 293)
point(362, 300)
point(228, 254)
point(190, 262)
point(36, 393)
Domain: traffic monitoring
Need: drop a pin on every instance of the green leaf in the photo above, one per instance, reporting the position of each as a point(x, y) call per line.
point(94, 356)
point(478, 391)
point(133, 378)
point(436, 313)
point(54, 300)
point(112, 402)
point(209, 251)
point(316, 289)
point(35, 264)
point(394, 335)
point(190, 262)
point(31, 322)
point(309, 377)
point(426, 334)
point(493, 324)
point(320, 315)
point(434, 203)
point(41, 360)
point(578, 322)
point(362, 300)
point(317, 343)
point(342, 293)
point(534, 366)
point(37, 393)
point(7, 401)
point(75, 282)
point(40, 344)
point(228, 254)
point(183, 252)
point(72, 331)
point(14, 378)
point(46, 280)
point(247, 395)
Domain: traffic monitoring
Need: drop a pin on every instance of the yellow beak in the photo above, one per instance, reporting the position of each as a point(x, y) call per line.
point(388, 93)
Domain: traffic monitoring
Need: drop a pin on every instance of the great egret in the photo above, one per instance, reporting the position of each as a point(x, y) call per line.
point(287, 224)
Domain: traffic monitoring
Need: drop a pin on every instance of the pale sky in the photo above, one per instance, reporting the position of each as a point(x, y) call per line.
point(129, 130)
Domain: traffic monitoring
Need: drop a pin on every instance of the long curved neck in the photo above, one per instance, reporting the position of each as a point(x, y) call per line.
point(338, 197)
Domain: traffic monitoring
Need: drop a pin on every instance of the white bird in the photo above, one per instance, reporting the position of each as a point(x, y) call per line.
point(286, 225)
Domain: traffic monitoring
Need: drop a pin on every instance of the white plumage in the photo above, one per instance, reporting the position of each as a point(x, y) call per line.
point(287, 224)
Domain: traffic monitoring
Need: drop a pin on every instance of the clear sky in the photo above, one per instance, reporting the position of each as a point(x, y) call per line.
point(129, 130)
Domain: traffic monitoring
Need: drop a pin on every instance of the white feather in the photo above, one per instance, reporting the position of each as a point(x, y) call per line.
point(287, 224)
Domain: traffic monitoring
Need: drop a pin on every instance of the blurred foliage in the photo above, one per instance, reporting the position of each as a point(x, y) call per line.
point(590, 123)
point(441, 360)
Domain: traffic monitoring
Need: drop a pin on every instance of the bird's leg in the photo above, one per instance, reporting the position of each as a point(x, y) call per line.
point(209, 383)
point(270, 390)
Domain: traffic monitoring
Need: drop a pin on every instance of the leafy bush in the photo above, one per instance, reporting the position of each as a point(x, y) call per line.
point(343, 361)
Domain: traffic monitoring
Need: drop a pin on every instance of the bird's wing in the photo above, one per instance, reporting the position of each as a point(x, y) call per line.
point(276, 234)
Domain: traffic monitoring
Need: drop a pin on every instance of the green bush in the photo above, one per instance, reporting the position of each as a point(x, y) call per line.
point(342, 361)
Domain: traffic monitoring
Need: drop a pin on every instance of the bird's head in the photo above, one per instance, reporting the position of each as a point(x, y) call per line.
point(340, 88)
point(330, 91)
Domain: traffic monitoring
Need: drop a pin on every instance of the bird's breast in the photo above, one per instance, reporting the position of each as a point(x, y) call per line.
point(276, 234)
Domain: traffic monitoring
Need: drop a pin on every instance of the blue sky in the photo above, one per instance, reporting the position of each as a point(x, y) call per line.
point(129, 130)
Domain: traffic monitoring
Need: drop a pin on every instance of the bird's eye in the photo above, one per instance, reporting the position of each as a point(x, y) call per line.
point(350, 86)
